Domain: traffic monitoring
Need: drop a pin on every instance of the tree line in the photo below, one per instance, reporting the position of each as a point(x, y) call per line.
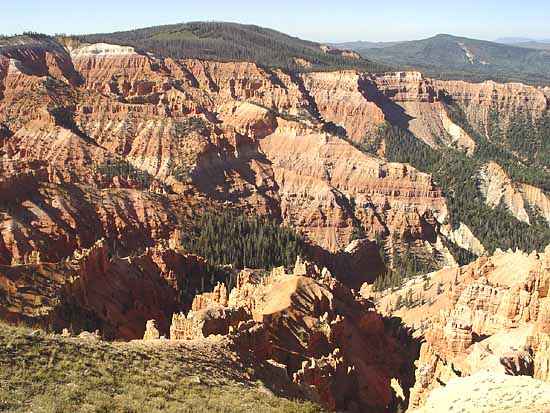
point(456, 174)
point(229, 237)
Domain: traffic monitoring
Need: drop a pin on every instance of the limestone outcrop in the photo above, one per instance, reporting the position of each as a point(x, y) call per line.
point(497, 187)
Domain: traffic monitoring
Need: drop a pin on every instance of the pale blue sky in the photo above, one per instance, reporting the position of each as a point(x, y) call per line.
point(321, 20)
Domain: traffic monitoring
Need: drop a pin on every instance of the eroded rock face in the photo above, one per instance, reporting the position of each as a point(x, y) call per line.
point(228, 131)
point(218, 297)
point(480, 100)
point(43, 212)
point(327, 338)
point(237, 132)
point(318, 176)
point(203, 323)
point(91, 290)
point(104, 141)
point(417, 104)
point(489, 315)
point(497, 187)
point(339, 99)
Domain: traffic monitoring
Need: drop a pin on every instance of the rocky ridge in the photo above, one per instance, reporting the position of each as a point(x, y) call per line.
point(326, 337)
point(490, 315)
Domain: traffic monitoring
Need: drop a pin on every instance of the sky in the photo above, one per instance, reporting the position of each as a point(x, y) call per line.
point(321, 20)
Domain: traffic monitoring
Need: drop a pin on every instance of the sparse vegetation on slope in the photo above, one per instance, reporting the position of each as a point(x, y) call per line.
point(45, 373)
point(402, 264)
point(522, 149)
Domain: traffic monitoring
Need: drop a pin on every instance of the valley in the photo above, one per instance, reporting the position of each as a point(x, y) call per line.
point(337, 234)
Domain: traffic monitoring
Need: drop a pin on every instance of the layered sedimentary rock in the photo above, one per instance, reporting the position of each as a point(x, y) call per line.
point(325, 183)
point(214, 129)
point(137, 106)
point(480, 101)
point(39, 57)
point(413, 102)
point(339, 99)
point(43, 212)
point(106, 141)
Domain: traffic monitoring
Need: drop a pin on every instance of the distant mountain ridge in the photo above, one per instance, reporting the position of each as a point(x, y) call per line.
point(519, 40)
point(452, 57)
point(525, 42)
point(361, 44)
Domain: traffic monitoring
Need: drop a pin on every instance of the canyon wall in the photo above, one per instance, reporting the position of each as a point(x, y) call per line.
point(228, 131)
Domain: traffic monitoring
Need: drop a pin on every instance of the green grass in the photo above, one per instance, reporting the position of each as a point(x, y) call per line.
point(40, 372)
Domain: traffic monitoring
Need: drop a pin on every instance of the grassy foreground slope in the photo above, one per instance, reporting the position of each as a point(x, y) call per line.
point(40, 372)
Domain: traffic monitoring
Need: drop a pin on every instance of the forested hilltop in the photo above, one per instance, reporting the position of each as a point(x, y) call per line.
point(235, 42)
point(451, 57)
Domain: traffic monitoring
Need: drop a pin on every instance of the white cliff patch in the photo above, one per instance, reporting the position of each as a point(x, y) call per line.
point(464, 238)
point(467, 52)
point(102, 49)
point(496, 187)
point(15, 67)
point(458, 135)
